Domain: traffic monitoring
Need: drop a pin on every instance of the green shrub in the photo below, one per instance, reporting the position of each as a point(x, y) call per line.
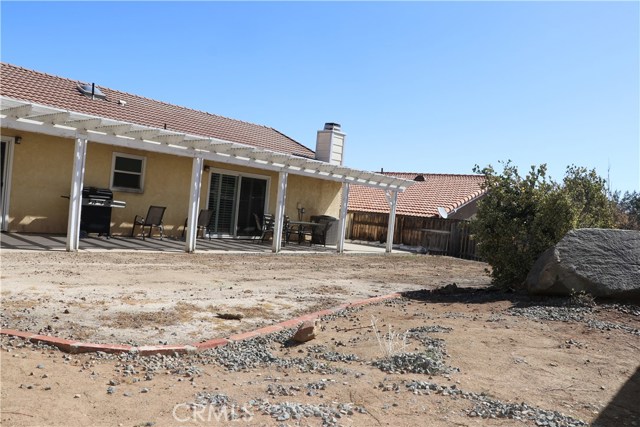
point(627, 210)
point(521, 217)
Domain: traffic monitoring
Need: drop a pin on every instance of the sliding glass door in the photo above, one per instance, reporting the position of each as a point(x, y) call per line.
point(222, 196)
point(235, 200)
point(253, 193)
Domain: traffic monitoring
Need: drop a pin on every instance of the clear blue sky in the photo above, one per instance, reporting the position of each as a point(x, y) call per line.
point(429, 87)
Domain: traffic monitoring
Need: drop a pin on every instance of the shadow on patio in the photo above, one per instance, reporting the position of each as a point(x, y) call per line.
point(52, 242)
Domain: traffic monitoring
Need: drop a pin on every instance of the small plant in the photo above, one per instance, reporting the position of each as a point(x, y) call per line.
point(582, 299)
point(392, 343)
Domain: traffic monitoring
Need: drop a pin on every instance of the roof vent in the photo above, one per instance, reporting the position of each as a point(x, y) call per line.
point(419, 178)
point(91, 90)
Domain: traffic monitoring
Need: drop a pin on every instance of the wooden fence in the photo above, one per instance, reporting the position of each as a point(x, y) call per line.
point(450, 237)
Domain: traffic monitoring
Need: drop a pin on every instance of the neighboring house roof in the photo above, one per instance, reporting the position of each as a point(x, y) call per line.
point(40, 88)
point(421, 199)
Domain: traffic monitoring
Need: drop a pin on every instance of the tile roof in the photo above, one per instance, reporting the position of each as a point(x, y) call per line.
point(422, 198)
point(40, 88)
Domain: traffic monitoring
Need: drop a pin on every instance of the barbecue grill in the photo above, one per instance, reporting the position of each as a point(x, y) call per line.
point(96, 210)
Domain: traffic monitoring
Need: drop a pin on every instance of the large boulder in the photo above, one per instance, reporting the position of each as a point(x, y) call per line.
point(603, 263)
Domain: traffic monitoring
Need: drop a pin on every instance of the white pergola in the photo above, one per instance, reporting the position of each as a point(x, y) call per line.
point(83, 128)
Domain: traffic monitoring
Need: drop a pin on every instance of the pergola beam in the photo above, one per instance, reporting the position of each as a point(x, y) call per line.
point(194, 204)
point(342, 224)
point(52, 118)
point(392, 198)
point(163, 141)
point(279, 218)
point(75, 193)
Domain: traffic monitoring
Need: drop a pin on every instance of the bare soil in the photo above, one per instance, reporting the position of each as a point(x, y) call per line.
point(588, 373)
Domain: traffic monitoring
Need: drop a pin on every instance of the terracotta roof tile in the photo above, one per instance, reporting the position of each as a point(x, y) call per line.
point(28, 85)
point(422, 198)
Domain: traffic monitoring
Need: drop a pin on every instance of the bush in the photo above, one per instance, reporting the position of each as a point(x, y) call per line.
point(627, 210)
point(521, 217)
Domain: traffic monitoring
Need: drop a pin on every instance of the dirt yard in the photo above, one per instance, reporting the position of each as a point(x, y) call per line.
point(462, 355)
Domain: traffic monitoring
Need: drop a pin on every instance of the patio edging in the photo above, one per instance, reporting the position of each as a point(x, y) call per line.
point(74, 346)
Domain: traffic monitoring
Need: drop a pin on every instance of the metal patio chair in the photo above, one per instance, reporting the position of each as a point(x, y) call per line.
point(204, 218)
point(267, 224)
point(153, 219)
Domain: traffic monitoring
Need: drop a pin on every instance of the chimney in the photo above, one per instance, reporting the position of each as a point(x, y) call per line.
point(330, 144)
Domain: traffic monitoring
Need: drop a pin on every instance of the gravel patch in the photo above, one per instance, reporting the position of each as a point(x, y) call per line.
point(330, 414)
point(420, 330)
point(564, 312)
point(487, 407)
point(555, 313)
point(236, 356)
point(428, 363)
point(322, 352)
point(285, 411)
point(609, 326)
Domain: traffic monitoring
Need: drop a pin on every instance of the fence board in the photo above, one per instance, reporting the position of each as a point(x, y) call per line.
point(409, 230)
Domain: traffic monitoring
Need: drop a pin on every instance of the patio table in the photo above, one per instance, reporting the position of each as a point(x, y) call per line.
point(302, 227)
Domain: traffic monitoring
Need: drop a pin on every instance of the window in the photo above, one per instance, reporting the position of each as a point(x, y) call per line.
point(127, 172)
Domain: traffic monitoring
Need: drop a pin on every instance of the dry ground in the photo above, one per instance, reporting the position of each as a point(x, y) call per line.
point(175, 298)
point(570, 367)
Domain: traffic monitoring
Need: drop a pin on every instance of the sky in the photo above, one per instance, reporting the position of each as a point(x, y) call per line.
point(434, 87)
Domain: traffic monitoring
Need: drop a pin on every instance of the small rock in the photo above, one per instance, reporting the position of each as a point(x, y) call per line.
point(76, 396)
point(306, 332)
point(40, 366)
point(144, 390)
point(230, 316)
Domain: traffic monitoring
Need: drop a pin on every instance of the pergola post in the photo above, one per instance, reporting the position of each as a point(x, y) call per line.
point(342, 225)
point(194, 204)
point(75, 194)
point(393, 202)
point(279, 219)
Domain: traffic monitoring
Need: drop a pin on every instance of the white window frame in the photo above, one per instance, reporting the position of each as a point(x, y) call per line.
point(142, 172)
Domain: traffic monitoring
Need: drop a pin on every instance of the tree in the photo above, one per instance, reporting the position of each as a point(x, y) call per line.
point(521, 217)
point(588, 197)
point(627, 210)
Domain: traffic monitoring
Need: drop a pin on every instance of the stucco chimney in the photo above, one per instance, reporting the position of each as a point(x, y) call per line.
point(330, 144)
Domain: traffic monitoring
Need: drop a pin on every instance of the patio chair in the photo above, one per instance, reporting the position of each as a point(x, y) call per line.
point(326, 231)
point(266, 227)
point(303, 231)
point(153, 219)
point(204, 218)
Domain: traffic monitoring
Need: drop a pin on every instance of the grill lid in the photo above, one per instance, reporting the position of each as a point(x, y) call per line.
point(97, 193)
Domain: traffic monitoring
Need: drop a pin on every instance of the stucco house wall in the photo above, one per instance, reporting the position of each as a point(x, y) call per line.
point(38, 183)
point(42, 168)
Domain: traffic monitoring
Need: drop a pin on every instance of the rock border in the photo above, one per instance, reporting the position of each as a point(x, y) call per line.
point(74, 347)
